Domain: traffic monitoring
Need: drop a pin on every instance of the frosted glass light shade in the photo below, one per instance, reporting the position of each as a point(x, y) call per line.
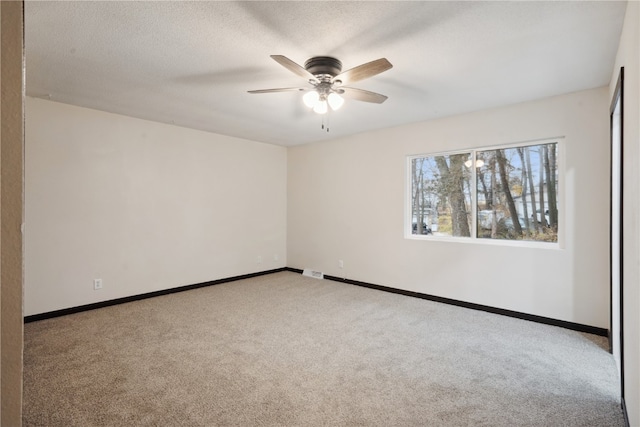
point(335, 101)
point(311, 98)
point(321, 107)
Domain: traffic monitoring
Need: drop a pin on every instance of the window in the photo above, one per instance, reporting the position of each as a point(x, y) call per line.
point(441, 195)
point(510, 194)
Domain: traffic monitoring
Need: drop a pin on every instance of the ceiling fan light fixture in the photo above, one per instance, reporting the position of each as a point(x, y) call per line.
point(320, 107)
point(335, 101)
point(311, 98)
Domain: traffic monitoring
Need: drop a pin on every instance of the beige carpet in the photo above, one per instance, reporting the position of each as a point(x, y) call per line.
point(287, 350)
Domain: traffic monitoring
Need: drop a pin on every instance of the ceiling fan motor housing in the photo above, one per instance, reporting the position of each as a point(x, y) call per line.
point(323, 65)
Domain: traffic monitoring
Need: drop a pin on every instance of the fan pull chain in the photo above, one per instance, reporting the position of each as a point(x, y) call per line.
point(322, 126)
point(327, 127)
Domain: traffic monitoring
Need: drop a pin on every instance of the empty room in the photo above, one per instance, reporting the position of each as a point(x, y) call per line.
point(320, 213)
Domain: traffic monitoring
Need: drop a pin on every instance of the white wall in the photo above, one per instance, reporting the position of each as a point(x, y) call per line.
point(143, 206)
point(346, 201)
point(629, 57)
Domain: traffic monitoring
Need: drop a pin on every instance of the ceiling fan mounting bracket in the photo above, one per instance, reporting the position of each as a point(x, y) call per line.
point(323, 66)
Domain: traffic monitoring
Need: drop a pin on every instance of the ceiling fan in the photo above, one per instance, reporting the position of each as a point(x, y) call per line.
point(327, 80)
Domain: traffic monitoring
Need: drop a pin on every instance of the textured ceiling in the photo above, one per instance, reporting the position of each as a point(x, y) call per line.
point(191, 63)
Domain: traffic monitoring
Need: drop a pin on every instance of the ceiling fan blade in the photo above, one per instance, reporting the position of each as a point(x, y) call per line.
point(293, 67)
point(362, 95)
point(280, 89)
point(363, 71)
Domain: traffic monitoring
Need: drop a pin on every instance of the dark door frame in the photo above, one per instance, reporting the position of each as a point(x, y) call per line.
point(618, 98)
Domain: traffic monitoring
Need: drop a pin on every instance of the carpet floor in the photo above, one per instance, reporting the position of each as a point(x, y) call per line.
point(288, 350)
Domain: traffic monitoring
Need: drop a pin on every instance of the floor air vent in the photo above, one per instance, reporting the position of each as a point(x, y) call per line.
point(312, 273)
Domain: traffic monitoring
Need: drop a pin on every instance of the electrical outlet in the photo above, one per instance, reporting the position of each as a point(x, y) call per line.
point(276, 257)
point(97, 284)
point(259, 260)
point(340, 263)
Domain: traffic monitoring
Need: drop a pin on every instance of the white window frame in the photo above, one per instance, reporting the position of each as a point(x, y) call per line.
point(473, 239)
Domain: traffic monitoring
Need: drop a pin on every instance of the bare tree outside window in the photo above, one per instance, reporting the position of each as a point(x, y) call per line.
point(441, 195)
point(523, 182)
